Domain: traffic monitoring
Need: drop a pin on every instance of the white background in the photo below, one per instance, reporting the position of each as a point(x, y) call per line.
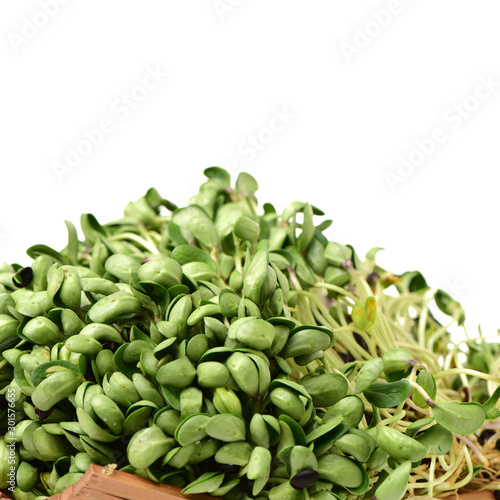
point(358, 101)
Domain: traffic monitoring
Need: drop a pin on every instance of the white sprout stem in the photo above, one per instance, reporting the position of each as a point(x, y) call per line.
point(448, 473)
point(137, 239)
point(432, 468)
point(393, 419)
point(443, 463)
point(423, 393)
point(337, 289)
point(471, 445)
point(422, 322)
point(491, 426)
point(467, 371)
point(470, 468)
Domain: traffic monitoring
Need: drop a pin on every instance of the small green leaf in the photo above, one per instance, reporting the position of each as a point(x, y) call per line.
point(394, 486)
point(368, 374)
point(36, 250)
point(184, 254)
point(412, 281)
point(226, 427)
point(335, 253)
point(414, 427)
point(323, 226)
point(218, 174)
point(72, 248)
point(42, 371)
point(326, 388)
point(206, 483)
point(359, 318)
point(91, 228)
point(427, 382)
point(436, 439)
point(397, 360)
point(324, 429)
point(192, 429)
point(370, 309)
point(297, 430)
point(228, 301)
point(461, 418)
point(246, 184)
point(372, 252)
point(256, 276)
point(247, 229)
point(308, 229)
point(388, 395)
point(198, 223)
point(490, 407)
point(156, 201)
point(450, 306)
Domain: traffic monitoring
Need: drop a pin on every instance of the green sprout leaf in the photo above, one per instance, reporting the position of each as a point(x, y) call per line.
point(387, 395)
point(461, 418)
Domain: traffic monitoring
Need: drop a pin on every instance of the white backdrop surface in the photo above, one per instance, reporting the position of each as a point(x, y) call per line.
point(385, 114)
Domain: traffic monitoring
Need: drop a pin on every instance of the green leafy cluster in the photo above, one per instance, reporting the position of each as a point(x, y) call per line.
point(233, 353)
